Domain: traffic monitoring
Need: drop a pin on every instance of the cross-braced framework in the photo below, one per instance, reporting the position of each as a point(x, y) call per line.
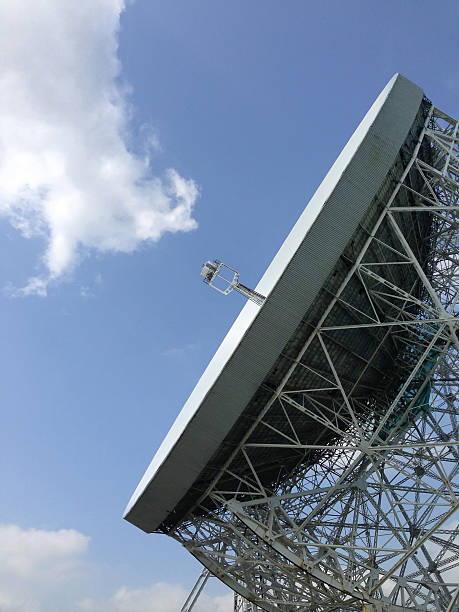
point(363, 513)
point(242, 605)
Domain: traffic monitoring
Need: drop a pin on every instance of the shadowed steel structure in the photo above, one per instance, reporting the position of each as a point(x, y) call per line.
point(315, 465)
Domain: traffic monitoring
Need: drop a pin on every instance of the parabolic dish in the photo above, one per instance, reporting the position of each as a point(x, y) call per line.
point(224, 399)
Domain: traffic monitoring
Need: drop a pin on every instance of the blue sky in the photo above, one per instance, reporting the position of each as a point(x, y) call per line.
point(249, 103)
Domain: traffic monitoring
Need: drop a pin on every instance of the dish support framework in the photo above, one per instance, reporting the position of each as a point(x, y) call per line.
point(373, 524)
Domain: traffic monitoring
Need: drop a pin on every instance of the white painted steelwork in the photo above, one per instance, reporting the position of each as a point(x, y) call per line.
point(305, 260)
point(336, 485)
point(196, 590)
point(242, 605)
point(224, 279)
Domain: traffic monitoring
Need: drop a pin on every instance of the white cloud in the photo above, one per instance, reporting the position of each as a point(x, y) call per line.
point(161, 597)
point(66, 173)
point(47, 571)
point(35, 563)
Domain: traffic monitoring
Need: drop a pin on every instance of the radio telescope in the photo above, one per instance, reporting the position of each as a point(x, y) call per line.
point(329, 480)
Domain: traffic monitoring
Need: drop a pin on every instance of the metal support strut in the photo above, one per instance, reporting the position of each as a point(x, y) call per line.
point(365, 514)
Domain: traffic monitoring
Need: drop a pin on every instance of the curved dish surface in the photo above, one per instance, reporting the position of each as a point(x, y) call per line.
point(291, 283)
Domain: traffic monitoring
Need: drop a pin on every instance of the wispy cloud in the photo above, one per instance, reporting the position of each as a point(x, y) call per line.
point(161, 597)
point(86, 292)
point(66, 173)
point(180, 351)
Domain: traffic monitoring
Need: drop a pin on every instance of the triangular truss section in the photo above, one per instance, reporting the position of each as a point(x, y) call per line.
point(343, 492)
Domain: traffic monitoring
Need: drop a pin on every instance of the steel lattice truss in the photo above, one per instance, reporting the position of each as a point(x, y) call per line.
point(242, 605)
point(369, 514)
